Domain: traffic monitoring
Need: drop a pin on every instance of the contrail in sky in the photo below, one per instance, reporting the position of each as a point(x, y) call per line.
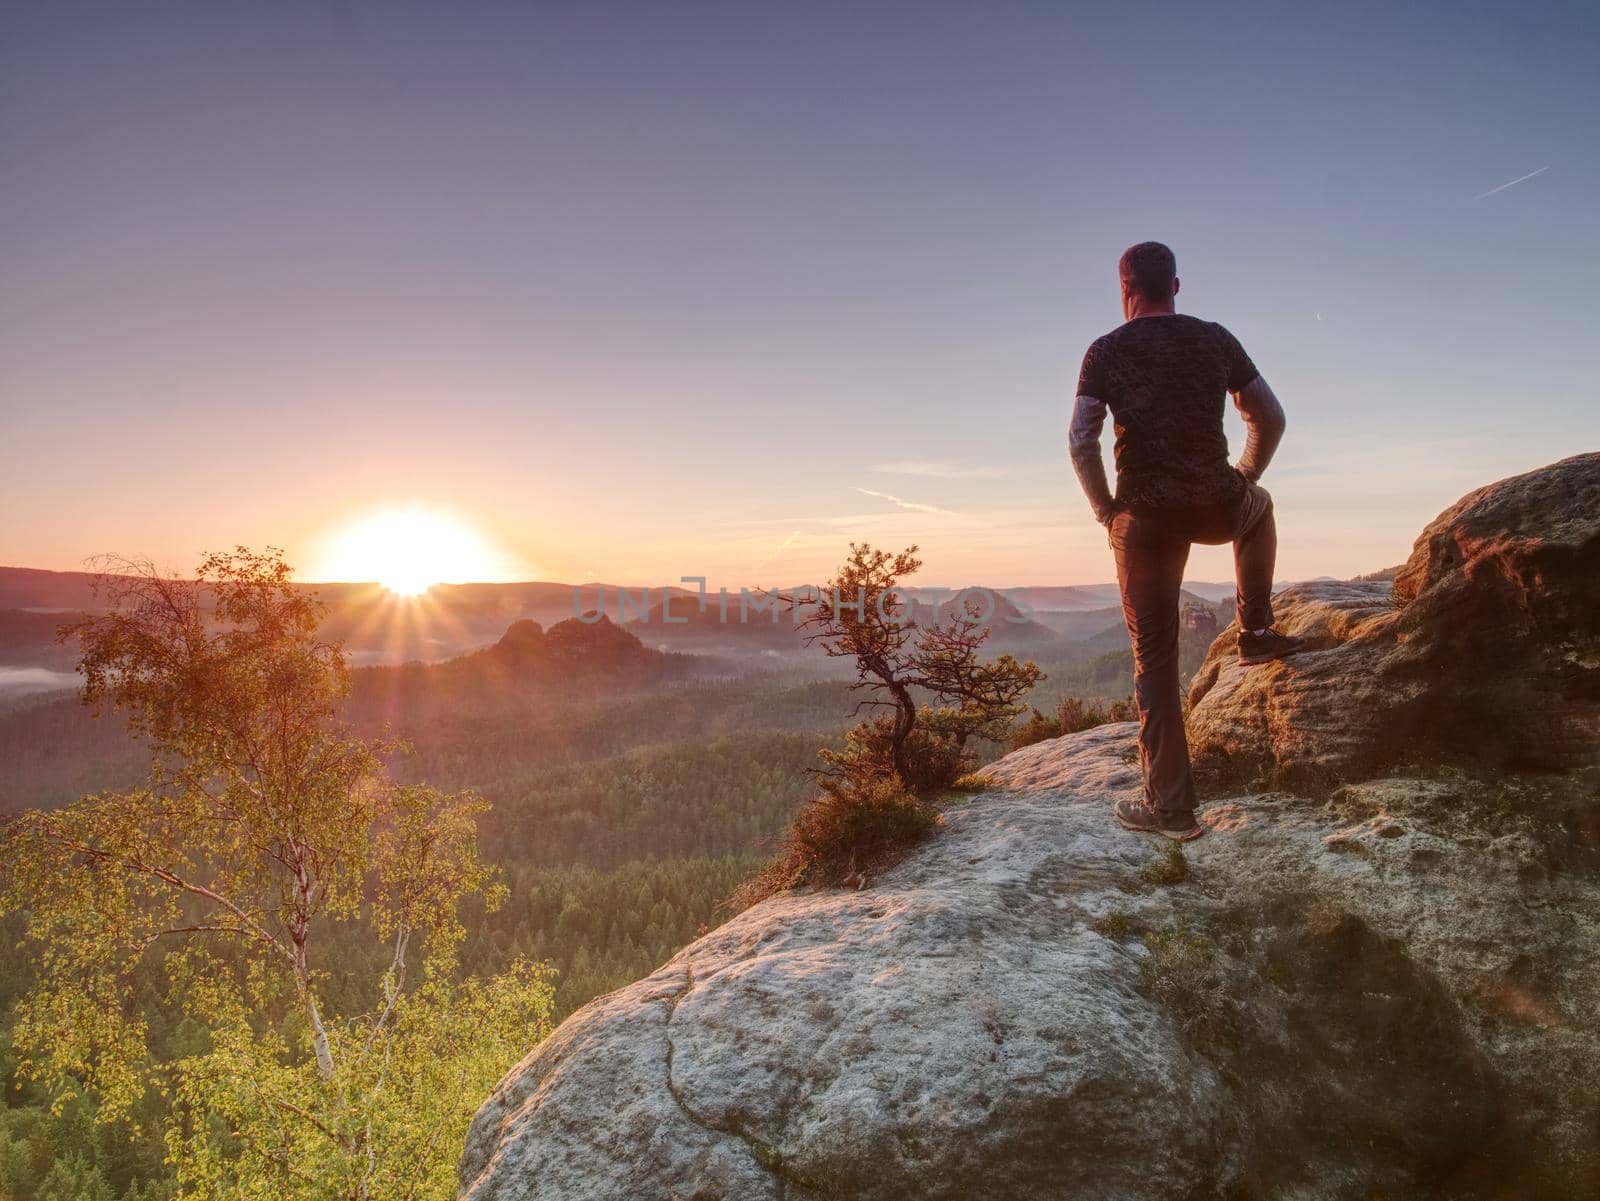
point(782, 546)
point(910, 505)
point(1512, 184)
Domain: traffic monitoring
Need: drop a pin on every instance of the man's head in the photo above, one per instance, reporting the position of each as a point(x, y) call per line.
point(1149, 279)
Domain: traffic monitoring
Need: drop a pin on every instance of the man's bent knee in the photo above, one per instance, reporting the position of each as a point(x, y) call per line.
point(1254, 508)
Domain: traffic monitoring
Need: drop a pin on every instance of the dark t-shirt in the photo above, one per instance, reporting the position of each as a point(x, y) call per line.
point(1165, 380)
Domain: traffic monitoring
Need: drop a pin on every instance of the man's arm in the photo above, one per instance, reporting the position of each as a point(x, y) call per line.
point(1263, 416)
point(1083, 440)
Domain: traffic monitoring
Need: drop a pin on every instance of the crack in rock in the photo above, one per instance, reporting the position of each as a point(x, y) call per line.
point(766, 1156)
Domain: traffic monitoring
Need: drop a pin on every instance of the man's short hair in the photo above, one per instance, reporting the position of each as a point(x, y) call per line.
point(1149, 269)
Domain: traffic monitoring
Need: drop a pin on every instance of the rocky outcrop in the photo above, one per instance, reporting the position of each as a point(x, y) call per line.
point(1484, 651)
point(1318, 1000)
point(1374, 977)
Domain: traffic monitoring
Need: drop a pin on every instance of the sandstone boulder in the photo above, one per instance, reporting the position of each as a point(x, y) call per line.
point(1484, 651)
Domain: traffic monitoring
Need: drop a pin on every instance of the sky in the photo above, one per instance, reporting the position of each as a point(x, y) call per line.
point(641, 291)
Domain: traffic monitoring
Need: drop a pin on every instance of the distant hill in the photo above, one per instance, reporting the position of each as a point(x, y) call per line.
point(572, 656)
point(574, 647)
point(28, 639)
point(775, 628)
point(1068, 599)
point(46, 591)
point(1221, 590)
point(377, 627)
point(1077, 598)
point(374, 624)
point(678, 620)
point(1007, 624)
point(1106, 626)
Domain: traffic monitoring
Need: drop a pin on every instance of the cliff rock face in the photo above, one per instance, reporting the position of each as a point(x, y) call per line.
point(1390, 992)
point(1485, 650)
point(1383, 987)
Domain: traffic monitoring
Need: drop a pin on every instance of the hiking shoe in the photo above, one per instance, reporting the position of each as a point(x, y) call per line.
point(1263, 648)
point(1176, 824)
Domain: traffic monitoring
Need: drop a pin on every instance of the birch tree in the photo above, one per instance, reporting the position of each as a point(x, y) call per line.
point(265, 844)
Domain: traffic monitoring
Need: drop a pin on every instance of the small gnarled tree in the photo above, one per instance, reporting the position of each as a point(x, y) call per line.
point(266, 845)
point(932, 691)
point(862, 614)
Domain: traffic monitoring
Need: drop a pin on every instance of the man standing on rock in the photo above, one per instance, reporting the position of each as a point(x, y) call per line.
point(1163, 376)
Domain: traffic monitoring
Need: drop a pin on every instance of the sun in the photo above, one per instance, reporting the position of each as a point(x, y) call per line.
point(410, 550)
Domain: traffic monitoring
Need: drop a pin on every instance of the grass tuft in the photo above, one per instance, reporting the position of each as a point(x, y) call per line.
point(1170, 867)
point(1116, 925)
point(843, 837)
point(1182, 971)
